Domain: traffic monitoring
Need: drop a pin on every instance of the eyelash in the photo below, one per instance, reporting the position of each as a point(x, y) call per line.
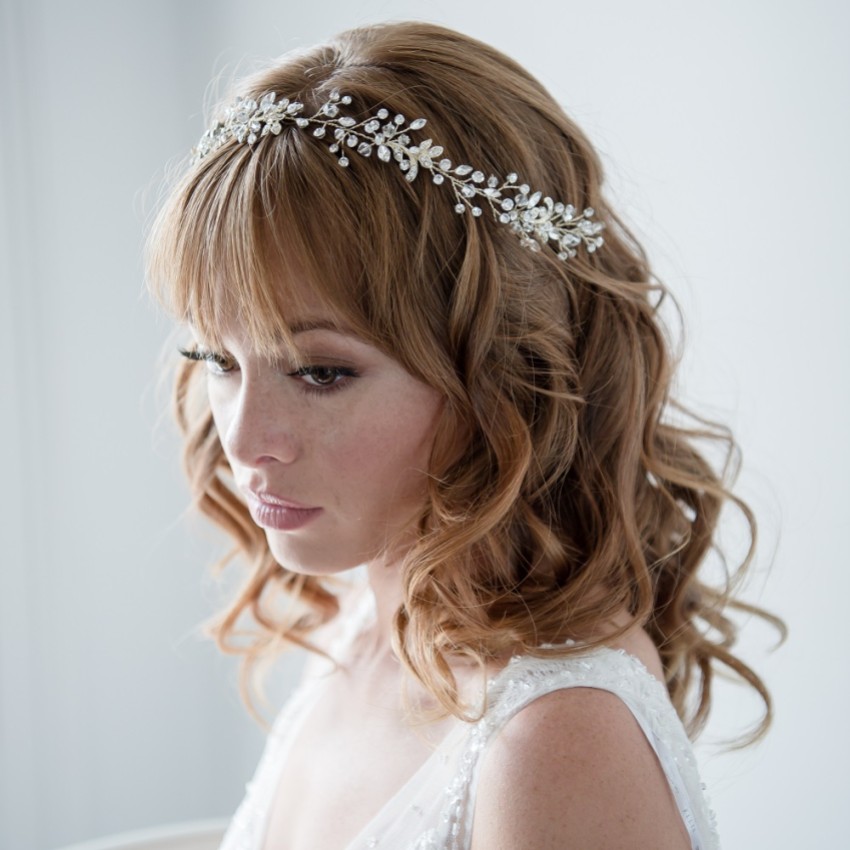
point(224, 365)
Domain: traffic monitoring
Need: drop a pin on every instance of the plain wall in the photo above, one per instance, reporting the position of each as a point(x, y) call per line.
point(724, 128)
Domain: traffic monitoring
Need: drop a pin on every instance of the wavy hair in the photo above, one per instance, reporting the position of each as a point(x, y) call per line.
point(565, 483)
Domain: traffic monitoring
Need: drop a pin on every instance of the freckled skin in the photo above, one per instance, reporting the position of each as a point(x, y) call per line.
point(357, 448)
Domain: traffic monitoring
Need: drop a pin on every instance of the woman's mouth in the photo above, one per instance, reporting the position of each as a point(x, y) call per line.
point(279, 514)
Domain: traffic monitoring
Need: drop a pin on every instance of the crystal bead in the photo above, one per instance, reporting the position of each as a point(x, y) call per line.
point(476, 211)
point(346, 99)
point(477, 177)
point(346, 121)
point(399, 119)
point(301, 122)
point(372, 126)
point(384, 153)
point(459, 208)
point(463, 170)
point(383, 114)
point(445, 164)
point(343, 161)
point(319, 132)
point(438, 178)
point(418, 124)
point(364, 149)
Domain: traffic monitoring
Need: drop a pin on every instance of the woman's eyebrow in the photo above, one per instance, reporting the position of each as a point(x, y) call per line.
point(318, 325)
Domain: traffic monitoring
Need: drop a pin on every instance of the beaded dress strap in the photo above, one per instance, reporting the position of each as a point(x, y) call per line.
point(525, 679)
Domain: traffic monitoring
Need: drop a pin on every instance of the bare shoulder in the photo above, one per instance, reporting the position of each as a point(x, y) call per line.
point(574, 770)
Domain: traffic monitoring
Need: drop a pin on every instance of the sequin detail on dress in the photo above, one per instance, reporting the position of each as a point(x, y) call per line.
point(434, 809)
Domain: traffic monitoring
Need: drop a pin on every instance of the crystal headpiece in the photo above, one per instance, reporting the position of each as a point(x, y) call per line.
point(536, 219)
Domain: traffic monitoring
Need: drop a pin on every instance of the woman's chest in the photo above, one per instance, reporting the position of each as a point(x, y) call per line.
point(354, 752)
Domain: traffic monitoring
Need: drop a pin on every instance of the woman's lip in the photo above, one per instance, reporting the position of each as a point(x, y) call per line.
point(278, 514)
point(270, 499)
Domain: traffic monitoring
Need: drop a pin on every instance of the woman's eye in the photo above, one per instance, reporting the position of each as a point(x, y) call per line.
point(218, 364)
point(324, 377)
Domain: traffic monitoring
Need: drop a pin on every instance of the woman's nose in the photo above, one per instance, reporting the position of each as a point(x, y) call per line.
point(259, 425)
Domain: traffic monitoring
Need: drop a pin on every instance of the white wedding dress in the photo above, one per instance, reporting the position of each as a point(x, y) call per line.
point(433, 810)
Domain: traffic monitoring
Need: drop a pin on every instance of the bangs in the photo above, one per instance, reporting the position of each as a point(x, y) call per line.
point(248, 237)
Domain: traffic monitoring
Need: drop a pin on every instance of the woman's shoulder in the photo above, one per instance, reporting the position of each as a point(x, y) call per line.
point(574, 763)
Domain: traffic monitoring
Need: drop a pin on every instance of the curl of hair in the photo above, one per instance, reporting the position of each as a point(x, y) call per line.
point(561, 492)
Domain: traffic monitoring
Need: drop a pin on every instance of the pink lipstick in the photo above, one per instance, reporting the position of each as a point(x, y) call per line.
point(279, 514)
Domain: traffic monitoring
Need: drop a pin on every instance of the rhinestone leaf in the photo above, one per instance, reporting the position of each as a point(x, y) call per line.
point(537, 220)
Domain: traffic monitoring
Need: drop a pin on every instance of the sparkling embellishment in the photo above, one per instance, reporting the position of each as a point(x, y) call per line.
point(436, 812)
point(535, 218)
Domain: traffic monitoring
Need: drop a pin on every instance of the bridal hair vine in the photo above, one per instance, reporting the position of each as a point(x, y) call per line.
point(536, 219)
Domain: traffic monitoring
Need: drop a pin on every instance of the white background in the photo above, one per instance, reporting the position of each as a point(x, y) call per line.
point(724, 127)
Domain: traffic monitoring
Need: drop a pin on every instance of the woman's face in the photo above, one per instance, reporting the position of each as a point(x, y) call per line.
point(331, 456)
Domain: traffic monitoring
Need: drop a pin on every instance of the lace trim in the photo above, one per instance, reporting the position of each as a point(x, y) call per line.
point(525, 679)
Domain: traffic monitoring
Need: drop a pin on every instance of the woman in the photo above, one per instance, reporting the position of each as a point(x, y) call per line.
point(423, 342)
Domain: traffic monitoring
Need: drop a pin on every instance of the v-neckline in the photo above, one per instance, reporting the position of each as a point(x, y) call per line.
point(309, 694)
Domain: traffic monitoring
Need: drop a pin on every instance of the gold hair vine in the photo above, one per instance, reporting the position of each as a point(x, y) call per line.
point(536, 219)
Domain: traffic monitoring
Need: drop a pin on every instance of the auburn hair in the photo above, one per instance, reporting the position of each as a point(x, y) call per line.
point(565, 482)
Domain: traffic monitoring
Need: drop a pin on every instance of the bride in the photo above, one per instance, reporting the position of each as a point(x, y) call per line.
point(419, 340)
